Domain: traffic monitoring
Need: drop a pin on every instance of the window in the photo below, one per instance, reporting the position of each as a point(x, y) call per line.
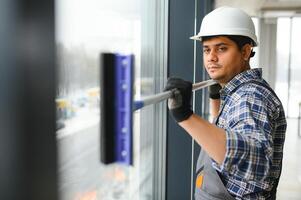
point(254, 61)
point(84, 29)
point(288, 78)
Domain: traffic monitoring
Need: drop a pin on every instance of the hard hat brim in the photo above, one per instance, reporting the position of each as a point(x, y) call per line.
point(199, 38)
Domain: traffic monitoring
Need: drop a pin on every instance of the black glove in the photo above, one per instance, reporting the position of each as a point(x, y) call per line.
point(180, 103)
point(214, 91)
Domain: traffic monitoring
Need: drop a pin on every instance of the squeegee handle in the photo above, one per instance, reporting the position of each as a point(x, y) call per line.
point(167, 94)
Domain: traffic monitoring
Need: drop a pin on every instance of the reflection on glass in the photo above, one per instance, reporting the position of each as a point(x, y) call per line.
point(84, 29)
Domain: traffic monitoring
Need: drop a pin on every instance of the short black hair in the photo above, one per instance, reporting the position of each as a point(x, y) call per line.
point(239, 40)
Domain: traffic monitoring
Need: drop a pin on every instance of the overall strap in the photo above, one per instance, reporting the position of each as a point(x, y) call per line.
point(265, 85)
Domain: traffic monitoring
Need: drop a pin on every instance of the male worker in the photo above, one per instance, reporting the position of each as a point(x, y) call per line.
point(241, 153)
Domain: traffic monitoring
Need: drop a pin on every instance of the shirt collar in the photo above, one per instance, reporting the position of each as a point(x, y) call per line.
point(240, 78)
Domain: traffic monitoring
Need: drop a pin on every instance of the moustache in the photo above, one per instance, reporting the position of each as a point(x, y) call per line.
point(214, 66)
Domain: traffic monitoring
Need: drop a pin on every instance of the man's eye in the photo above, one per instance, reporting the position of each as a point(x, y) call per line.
point(222, 49)
point(206, 51)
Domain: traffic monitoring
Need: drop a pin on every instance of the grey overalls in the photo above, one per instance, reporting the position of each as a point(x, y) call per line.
point(209, 186)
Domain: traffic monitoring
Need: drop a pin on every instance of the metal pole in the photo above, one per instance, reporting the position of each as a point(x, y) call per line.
point(138, 104)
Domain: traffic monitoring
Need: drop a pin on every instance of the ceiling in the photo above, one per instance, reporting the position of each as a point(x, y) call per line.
point(265, 8)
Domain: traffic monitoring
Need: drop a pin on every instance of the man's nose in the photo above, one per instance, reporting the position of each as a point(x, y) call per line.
point(212, 56)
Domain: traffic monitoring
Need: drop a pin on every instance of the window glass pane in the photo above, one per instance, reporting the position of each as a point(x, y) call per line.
point(283, 35)
point(84, 29)
point(289, 64)
point(295, 71)
point(254, 61)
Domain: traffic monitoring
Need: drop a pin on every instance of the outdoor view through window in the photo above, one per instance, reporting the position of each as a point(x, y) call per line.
point(85, 29)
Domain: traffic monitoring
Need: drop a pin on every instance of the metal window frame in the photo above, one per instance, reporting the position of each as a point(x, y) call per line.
point(154, 64)
point(160, 112)
point(185, 61)
point(28, 144)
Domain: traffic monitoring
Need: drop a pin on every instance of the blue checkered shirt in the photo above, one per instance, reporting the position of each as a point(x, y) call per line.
point(255, 125)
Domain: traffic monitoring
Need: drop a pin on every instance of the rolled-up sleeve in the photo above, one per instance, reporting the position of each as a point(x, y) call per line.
point(249, 140)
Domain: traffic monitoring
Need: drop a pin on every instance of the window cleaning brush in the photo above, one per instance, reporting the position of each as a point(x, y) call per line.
point(117, 106)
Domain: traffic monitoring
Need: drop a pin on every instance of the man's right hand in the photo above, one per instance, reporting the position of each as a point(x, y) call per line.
point(180, 103)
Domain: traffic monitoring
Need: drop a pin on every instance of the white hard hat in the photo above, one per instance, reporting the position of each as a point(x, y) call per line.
point(227, 21)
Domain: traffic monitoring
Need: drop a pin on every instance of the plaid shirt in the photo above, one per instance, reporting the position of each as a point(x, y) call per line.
point(255, 125)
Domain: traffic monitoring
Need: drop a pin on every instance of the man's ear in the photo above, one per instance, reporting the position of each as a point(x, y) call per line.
point(246, 51)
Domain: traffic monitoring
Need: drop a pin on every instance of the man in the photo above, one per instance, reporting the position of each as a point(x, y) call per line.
point(241, 153)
